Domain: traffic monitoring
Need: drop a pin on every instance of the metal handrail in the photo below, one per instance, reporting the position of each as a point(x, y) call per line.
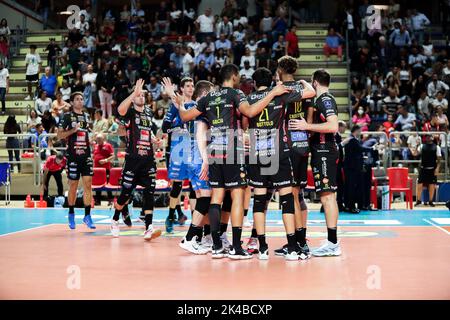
point(421, 133)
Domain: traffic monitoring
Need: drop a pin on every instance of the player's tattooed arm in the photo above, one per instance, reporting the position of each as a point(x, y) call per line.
point(126, 104)
point(308, 90)
point(253, 110)
point(185, 115)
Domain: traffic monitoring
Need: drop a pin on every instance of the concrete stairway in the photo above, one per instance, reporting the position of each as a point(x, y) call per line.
point(311, 40)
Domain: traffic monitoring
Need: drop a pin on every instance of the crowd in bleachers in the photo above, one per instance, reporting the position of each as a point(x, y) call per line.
point(400, 77)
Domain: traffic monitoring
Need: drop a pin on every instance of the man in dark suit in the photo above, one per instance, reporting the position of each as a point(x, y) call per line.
point(353, 165)
point(340, 177)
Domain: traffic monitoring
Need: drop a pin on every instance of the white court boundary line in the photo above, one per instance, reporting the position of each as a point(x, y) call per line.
point(29, 229)
point(435, 225)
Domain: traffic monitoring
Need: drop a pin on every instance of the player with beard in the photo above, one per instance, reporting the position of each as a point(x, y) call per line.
point(223, 110)
point(139, 167)
point(270, 164)
point(324, 157)
point(75, 127)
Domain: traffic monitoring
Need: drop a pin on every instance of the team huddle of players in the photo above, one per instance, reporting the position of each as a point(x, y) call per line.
point(225, 143)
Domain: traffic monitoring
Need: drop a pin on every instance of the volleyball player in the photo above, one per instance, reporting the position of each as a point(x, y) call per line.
point(271, 165)
point(299, 151)
point(324, 157)
point(139, 167)
point(75, 126)
point(222, 108)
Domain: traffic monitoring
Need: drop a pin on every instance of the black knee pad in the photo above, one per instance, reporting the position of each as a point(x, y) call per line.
point(227, 201)
point(125, 195)
point(287, 204)
point(301, 199)
point(259, 202)
point(149, 200)
point(176, 189)
point(202, 205)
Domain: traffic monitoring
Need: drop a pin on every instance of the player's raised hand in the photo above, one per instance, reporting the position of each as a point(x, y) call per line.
point(280, 89)
point(138, 87)
point(298, 124)
point(178, 100)
point(168, 86)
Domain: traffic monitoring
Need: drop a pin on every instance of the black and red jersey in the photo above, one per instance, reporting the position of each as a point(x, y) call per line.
point(139, 132)
point(324, 106)
point(297, 139)
point(77, 143)
point(267, 130)
point(221, 110)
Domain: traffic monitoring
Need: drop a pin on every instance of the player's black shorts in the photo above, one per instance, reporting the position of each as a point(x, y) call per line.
point(79, 166)
point(283, 178)
point(227, 176)
point(300, 169)
point(139, 171)
point(32, 77)
point(427, 176)
point(324, 167)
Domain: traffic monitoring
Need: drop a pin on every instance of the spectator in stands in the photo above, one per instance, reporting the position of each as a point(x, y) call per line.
point(74, 55)
point(164, 102)
point(248, 57)
point(54, 166)
point(159, 62)
point(201, 72)
point(187, 61)
point(207, 57)
point(418, 23)
point(53, 49)
point(292, 43)
point(205, 25)
point(149, 101)
point(223, 42)
point(105, 82)
point(391, 103)
point(405, 121)
point(4, 29)
point(400, 37)
point(374, 90)
point(154, 88)
point(435, 86)
point(100, 123)
point(59, 107)
point(33, 66)
point(159, 118)
point(33, 120)
point(362, 119)
point(188, 21)
point(240, 19)
point(121, 87)
point(66, 69)
point(195, 45)
point(359, 63)
point(439, 119)
point(417, 62)
point(43, 103)
point(265, 25)
point(246, 71)
point(429, 168)
point(263, 58)
point(176, 57)
point(332, 45)
point(224, 27)
point(239, 34)
point(82, 25)
point(103, 158)
point(413, 143)
point(279, 25)
point(65, 91)
point(446, 70)
point(4, 85)
point(162, 18)
point(175, 19)
point(48, 83)
point(48, 121)
point(423, 105)
point(440, 101)
point(279, 48)
point(12, 143)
